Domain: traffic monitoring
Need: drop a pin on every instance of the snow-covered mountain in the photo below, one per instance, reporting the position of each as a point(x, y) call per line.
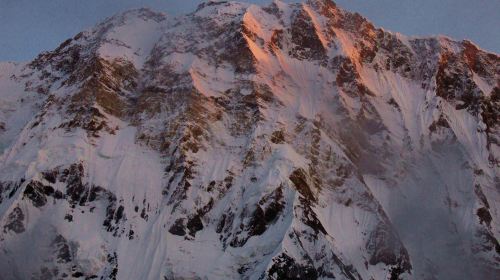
point(289, 141)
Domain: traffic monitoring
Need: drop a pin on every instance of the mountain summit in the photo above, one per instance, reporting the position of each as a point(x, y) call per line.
point(287, 141)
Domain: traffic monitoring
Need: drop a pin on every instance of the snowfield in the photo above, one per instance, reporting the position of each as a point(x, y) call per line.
point(287, 141)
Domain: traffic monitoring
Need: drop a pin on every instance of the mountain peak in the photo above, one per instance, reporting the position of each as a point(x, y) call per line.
point(322, 3)
point(290, 141)
point(143, 11)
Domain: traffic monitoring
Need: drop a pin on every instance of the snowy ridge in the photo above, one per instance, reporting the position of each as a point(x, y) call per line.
point(287, 141)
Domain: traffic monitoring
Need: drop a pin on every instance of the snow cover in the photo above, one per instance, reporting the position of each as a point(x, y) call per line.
point(222, 151)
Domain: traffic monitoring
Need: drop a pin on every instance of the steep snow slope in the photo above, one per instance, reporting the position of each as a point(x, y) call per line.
point(291, 141)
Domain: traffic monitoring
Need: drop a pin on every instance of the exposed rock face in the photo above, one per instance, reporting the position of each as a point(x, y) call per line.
point(292, 141)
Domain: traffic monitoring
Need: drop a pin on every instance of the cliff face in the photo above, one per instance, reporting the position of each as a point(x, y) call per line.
point(291, 141)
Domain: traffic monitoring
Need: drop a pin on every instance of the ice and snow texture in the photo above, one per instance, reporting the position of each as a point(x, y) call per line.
point(293, 141)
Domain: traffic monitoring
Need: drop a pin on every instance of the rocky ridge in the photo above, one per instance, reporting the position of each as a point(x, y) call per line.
point(289, 141)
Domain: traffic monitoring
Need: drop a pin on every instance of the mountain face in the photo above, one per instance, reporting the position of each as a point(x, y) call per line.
point(290, 141)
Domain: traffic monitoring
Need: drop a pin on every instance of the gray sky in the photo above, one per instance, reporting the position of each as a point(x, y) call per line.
point(28, 27)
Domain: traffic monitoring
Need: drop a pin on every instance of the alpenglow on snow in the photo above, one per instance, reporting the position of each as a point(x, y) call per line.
point(284, 141)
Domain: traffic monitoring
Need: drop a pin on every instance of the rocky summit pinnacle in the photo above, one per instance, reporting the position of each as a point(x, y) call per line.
point(286, 141)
